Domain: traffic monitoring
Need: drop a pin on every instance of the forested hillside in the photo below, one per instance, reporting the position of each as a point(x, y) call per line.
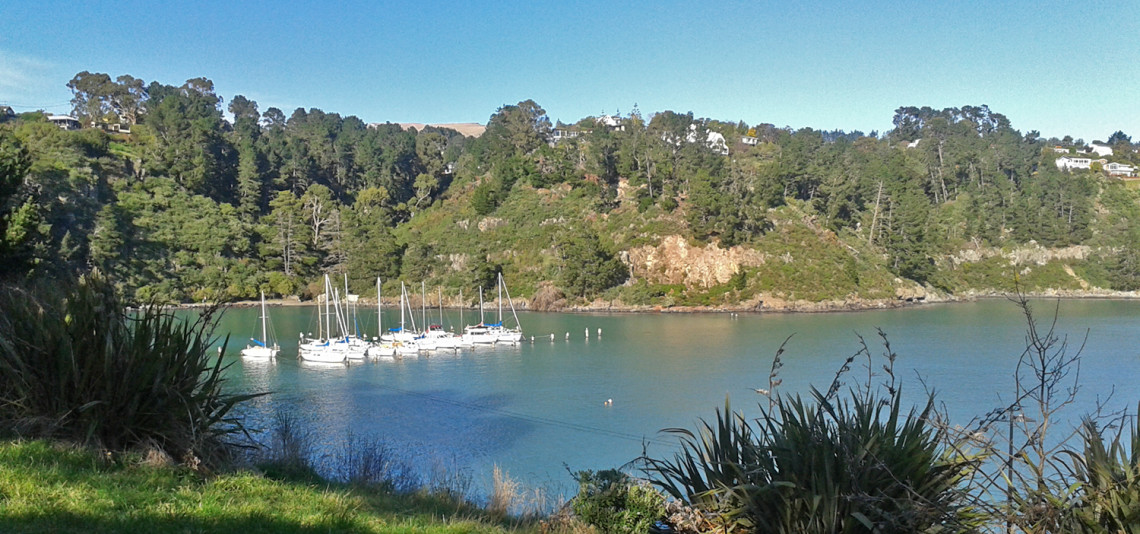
point(177, 203)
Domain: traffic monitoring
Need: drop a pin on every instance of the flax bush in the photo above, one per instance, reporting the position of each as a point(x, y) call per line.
point(825, 464)
point(76, 364)
point(1104, 483)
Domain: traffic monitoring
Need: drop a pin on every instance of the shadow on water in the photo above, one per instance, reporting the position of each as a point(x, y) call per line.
point(424, 428)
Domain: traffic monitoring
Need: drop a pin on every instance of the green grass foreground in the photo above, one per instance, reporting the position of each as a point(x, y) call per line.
point(45, 487)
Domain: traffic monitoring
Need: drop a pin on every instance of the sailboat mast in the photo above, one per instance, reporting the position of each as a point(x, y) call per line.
point(500, 299)
point(403, 297)
point(339, 317)
point(379, 312)
point(346, 306)
point(411, 314)
point(423, 303)
point(328, 313)
point(511, 302)
point(480, 305)
point(264, 338)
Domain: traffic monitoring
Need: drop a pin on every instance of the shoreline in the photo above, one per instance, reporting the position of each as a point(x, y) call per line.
point(757, 307)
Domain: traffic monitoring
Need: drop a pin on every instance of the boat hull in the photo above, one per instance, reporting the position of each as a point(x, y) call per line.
point(256, 351)
point(323, 352)
point(385, 350)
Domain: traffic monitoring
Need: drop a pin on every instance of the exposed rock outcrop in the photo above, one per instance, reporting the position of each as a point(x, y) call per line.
point(1030, 254)
point(490, 223)
point(547, 298)
point(909, 291)
point(675, 261)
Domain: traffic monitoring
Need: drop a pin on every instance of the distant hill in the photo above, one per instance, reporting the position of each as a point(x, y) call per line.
point(470, 129)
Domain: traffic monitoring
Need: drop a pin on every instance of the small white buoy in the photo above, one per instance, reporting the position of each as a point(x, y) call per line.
point(567, 336)
point(552, 336)
point(599, 332)
point(609, 402)
point(587, 333)
point(532, 339)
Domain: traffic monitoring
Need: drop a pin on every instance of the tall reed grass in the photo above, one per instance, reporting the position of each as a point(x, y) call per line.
point(76, 364)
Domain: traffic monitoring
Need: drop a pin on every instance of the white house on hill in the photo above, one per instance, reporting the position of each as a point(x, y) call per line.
point(1100, 150)
point(713, 140)
point(65, 122)
point(559, 134)
point(1068, 163)
point(1120, 169)
point(611, 122)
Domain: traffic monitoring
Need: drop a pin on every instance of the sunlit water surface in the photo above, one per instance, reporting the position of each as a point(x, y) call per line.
point(537, 408)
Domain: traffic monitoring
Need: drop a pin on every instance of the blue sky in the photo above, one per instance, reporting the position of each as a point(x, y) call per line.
point(1063, 68)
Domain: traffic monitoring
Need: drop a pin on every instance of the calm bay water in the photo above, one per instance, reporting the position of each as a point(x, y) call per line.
point(533, 408)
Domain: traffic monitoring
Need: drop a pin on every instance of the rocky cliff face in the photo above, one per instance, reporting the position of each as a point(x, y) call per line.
point(675, 261)
point(1030, 254)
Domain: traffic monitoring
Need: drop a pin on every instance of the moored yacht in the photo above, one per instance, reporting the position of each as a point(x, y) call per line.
point(503, 334)
point(261, 348)
point(380, 348)
point(323, 348)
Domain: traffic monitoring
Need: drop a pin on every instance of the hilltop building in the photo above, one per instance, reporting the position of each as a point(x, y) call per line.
point(1122, 170)
point(65, 122)
point(1099, 149)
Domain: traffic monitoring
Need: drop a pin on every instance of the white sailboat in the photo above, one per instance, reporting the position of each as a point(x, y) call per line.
point(379, 347)
point(440, 338)
point(354, 346)
point(261, 348)
point(425, 342)
point(502, 333)
point(461, 340)
point(323, 348)
point(479, 334)
point(404, 340)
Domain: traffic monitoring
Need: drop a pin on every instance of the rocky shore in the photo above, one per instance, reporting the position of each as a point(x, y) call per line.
point(758, 305)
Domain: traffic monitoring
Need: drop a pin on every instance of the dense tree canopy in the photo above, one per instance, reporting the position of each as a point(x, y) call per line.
point(196, 203)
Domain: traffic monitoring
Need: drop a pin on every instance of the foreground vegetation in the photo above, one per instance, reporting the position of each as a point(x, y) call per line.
point(153, 448)
point(76, 364)
point(55, 488)
point(857, 462)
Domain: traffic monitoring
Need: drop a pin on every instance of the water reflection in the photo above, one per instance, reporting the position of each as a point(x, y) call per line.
point(532, 407)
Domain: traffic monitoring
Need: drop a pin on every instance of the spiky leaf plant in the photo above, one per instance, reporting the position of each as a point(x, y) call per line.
point(859, 464)
point(77, 364)
point(1108, 475)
